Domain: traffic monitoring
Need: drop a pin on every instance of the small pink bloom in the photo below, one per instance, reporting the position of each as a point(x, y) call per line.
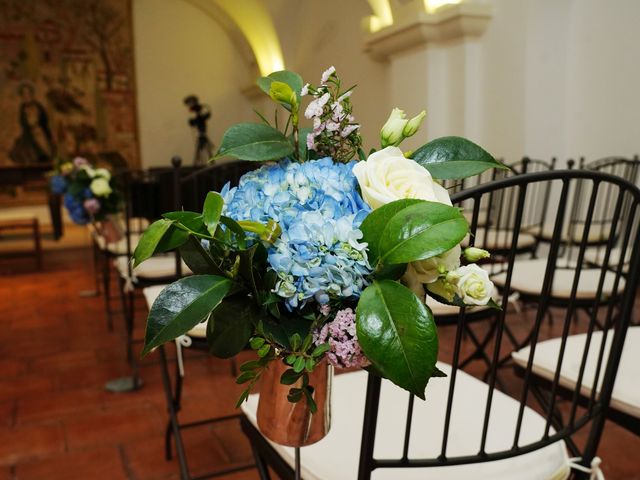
point(332, 126)
point(305, 90)
point(348, 130)
point(327, 73)
point(91, 205)
point(79, 161)
point(311, 144)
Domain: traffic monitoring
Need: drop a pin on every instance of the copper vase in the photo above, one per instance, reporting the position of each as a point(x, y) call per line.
point(293, 424)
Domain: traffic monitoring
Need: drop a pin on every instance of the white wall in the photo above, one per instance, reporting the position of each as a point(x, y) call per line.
point(548, 77)
point(179, 50)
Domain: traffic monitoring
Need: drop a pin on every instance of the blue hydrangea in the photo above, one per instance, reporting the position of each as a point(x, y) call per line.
point(76, 210)
point(319, 254)
point(58, 184)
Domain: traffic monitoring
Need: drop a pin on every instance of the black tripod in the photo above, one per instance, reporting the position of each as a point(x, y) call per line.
point(201, 113)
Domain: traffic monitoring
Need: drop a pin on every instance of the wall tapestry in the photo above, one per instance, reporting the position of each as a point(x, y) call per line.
point(66, 81)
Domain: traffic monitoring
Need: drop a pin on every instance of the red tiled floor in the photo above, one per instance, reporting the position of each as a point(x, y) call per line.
point(105, 462)
point(59, 423)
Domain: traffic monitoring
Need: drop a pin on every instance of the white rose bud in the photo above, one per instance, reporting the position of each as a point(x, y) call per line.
point(472, 284)
point(387, 176)
point(391, 133)
point(413, 125)
point(100, 187)
point(428, 271)
point(473, 254)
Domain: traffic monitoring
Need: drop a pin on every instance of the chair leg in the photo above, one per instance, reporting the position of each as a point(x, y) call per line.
point(106, 284)
point(173, 419)
point(261, 466)
point(96, 265)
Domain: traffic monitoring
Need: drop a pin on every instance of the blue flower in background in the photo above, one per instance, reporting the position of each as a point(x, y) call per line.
point(319, 254)
point(76, 209)
point(58, 184)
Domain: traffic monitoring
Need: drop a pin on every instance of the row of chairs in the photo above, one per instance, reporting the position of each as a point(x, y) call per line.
point(506, 209)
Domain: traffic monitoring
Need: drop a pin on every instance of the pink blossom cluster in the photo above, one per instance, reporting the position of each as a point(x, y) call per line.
point(341, 335)
point(334, 131)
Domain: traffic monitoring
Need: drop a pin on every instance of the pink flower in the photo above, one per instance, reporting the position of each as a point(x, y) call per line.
point(332, 126)
point(327, 73)
point(311, 144)
point(314, 109)
point(79, 161)
point(341, 335)
point(349, 129)
point(91, 205)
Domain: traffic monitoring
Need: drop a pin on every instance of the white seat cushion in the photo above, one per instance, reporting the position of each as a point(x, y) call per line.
point(150, 295)
point(119, 247)
point(626, 394)
point(162, 266)
point(596, 256)
point(501, 240)
point(336, 456)
point(528, 277)
point(598, 233)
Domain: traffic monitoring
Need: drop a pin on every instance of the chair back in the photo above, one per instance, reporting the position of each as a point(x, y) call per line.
point(613, 309)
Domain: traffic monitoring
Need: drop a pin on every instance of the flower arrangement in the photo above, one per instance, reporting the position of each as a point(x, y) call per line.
point(324, 251)
point(89, 193)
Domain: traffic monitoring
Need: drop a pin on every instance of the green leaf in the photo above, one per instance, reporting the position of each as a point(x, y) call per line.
point(398, 335)
point(172, 239)
point(454, 158)
point(256, 342)
point(289, 377)
point(263, 351)
point(231, 326)
point(246, 376)
point(320, 349)
point(181, 306)
point(212, 210)
point(421, 231)
point(198, 259)
point(298, 365)
point(192, 221)
point(375, 223)
point(254, 141)
point(285, 76)
point(149, 241)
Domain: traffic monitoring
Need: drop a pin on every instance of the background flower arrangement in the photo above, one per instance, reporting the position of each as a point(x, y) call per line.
point(328, 252)
point(89, 193)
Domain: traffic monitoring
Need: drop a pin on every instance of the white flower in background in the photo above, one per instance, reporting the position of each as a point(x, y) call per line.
point(305, 90)
point(387, 176)
point(100, 187)
point(104, 173)
point(327, 73)
point(472, 284)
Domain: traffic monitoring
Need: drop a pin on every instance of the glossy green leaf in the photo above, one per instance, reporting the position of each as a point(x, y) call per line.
point(192, 221)
point(212, 210)
point(398, 335)
point(198, 259)
point(172, 239)
point(149, 240)
point(421, 231)
point(181, 306)
point(255, 142)
point(375, 223)
point(231, 326)
point(454, 158)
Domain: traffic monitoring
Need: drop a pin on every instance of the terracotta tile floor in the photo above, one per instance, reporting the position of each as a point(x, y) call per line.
point(57, 422)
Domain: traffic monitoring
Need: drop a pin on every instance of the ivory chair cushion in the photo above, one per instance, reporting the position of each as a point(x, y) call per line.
point(597, 233)
point(501, 240)
point(626, 394)
point(119, 247)
point(528, 277)
point(597, 255)
point(150, 295)
point(161, 266)
point(336, 456)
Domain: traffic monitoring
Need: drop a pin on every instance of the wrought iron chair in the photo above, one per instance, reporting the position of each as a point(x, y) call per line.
point(190, 190)
point(467, 428)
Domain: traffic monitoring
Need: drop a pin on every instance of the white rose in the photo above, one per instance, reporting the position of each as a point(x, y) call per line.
point(427, 271)
point(103, 172)
point(472, 284)
point(387, 176)
point(100, 187)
